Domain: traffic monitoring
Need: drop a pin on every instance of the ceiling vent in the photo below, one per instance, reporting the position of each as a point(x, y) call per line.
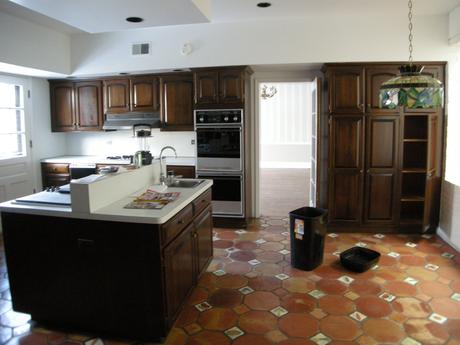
point(140, 49)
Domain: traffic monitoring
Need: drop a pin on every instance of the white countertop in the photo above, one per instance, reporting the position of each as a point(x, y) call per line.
point(190, 161)
point(116, 211)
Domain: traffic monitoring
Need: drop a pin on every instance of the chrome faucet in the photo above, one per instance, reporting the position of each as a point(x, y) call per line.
point(162, 175)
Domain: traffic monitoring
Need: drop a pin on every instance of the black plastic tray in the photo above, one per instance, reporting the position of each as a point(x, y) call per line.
point(358, 259)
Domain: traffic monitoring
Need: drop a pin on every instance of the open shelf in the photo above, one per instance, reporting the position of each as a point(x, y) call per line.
point(413, 185)
point(416, 127)
point(415, 155)
point(412, 211)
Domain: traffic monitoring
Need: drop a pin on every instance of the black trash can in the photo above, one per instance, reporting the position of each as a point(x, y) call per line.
point(308, 230)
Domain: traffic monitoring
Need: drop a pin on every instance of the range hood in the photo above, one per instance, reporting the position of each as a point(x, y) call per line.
point(128, 120)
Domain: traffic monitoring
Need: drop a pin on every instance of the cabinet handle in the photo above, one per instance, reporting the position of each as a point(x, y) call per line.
point(180, 222)
point(194, 235)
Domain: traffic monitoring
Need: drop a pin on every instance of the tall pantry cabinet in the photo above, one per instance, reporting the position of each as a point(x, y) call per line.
point(385, 165)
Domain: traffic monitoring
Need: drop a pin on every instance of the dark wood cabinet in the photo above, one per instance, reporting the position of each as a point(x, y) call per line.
point(346, 168)
point(177, 102)
point(144, 92)
point(62, 106)
point(106, 277)
point(54, 175)
point(76, 106)
point(385, 165)
point(219, 87)
point(346, 89)
point(116, 96)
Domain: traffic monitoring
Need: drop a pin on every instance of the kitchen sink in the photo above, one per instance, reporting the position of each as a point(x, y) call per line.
point(186, 183)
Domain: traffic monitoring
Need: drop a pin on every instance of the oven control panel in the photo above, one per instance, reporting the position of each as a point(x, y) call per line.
point(214, 117)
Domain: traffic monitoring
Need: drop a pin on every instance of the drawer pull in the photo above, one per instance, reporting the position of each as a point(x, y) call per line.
point(180, 222)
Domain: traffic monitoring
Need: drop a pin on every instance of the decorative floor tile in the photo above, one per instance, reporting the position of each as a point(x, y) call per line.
point(260, 241)
point(375, 267)
point(411, 244)
point(333, 235)
point(336, 253)
point(254, 262)
point(318, 314)
point(96, 341)
point(284, 252)
point(234, 333)
point(203, 306)
point(411, 281)
point(387, 297)
point(215, 238)
point(317, 294)
point(456, 297)
point(279, 311)
point(346, 279)
point(437, 318)
point(285, 233)
point(427, 236)
point(379, 236)
point(358, 316)
point(246, 290)
point(361, 244)
point(393, 254)
point(241, 231)
point(410, 341)
point(447, 255)
point(431, 267)
point(231, 249)
point(351, 295)
point(321, 339)
point(282, 276)
point(219, 273)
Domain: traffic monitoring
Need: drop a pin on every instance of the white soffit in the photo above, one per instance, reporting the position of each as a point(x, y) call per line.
point(454, 26)
point(94, 16)
point(32, 72)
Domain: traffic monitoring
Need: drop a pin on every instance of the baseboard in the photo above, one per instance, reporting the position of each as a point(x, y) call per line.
point(446, 239)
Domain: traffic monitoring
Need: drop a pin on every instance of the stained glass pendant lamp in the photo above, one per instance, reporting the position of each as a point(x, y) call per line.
point(410, 88)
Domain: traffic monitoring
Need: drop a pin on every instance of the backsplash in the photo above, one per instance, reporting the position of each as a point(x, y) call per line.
point(123, 143)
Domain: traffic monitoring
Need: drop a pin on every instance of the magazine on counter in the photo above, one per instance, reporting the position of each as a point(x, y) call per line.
point(153, 200)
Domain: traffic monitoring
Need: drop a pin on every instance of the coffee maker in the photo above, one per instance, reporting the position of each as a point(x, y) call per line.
point(143, 155)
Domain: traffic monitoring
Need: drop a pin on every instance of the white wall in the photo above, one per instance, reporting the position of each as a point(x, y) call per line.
point(309, 40)
point(454, 26)
point(45, 143)
point(30, 45)
point(123, 143)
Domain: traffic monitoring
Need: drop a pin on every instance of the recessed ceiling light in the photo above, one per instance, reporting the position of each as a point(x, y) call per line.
point(264, 4)
point(134, 19)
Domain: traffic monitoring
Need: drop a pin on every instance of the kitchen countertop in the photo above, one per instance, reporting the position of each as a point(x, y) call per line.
point(116, 211)
point(190, 161)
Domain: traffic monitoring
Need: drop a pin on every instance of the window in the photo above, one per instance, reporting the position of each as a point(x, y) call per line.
point(12, 122)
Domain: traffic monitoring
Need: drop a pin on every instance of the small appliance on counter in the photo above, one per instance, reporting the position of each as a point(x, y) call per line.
point(143, 155)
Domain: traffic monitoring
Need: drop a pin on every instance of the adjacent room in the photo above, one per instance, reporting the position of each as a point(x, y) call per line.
point(229, 172)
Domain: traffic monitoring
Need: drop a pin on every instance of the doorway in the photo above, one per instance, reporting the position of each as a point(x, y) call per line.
point(285, 146)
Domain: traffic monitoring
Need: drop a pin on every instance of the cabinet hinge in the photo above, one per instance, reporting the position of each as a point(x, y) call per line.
point(30, 144)
point(28, 93)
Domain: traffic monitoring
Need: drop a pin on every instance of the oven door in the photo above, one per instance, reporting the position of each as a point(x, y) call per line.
point(219, 149)
point(227, 194)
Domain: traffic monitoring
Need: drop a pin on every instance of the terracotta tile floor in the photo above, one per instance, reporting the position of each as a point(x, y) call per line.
point(251, 295)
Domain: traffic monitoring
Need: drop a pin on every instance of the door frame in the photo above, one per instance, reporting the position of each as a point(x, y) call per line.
point(256, 80)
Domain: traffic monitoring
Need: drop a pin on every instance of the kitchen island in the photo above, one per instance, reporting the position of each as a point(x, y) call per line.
point(117, 271)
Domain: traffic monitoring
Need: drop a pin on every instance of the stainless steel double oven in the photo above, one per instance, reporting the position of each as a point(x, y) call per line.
point(220, 157)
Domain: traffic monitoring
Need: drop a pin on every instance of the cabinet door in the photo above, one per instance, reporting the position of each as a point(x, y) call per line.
point(177, 103)
point(206, 87)
point(144, 94)
point(62, 107)
point(88, 105)
point(116, 96)
point(346, 168)
point(375, 77)
point(203, 240)
point(381, 188)
point(231, 87)
point(179, 273)
point(346, 90)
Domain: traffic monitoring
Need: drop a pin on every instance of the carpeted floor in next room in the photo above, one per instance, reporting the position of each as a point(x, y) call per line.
point(251, 295)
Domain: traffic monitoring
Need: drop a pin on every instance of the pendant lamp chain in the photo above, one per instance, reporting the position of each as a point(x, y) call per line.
point(410, 32)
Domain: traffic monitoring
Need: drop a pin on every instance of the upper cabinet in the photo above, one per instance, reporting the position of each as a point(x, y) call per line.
point(177, 102)
point(346, 90)
point(219, 87)
point(375, 77)
point(76, 106)
point(131, 94)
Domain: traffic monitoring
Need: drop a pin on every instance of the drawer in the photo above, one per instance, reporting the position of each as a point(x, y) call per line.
point(174, 226)
point(202, 201)
point(52, 168)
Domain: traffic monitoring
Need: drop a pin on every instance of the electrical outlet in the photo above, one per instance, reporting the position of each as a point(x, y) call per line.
point(192, 142)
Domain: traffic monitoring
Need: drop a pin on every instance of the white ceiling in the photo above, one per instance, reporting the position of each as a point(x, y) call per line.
point(109, 15)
